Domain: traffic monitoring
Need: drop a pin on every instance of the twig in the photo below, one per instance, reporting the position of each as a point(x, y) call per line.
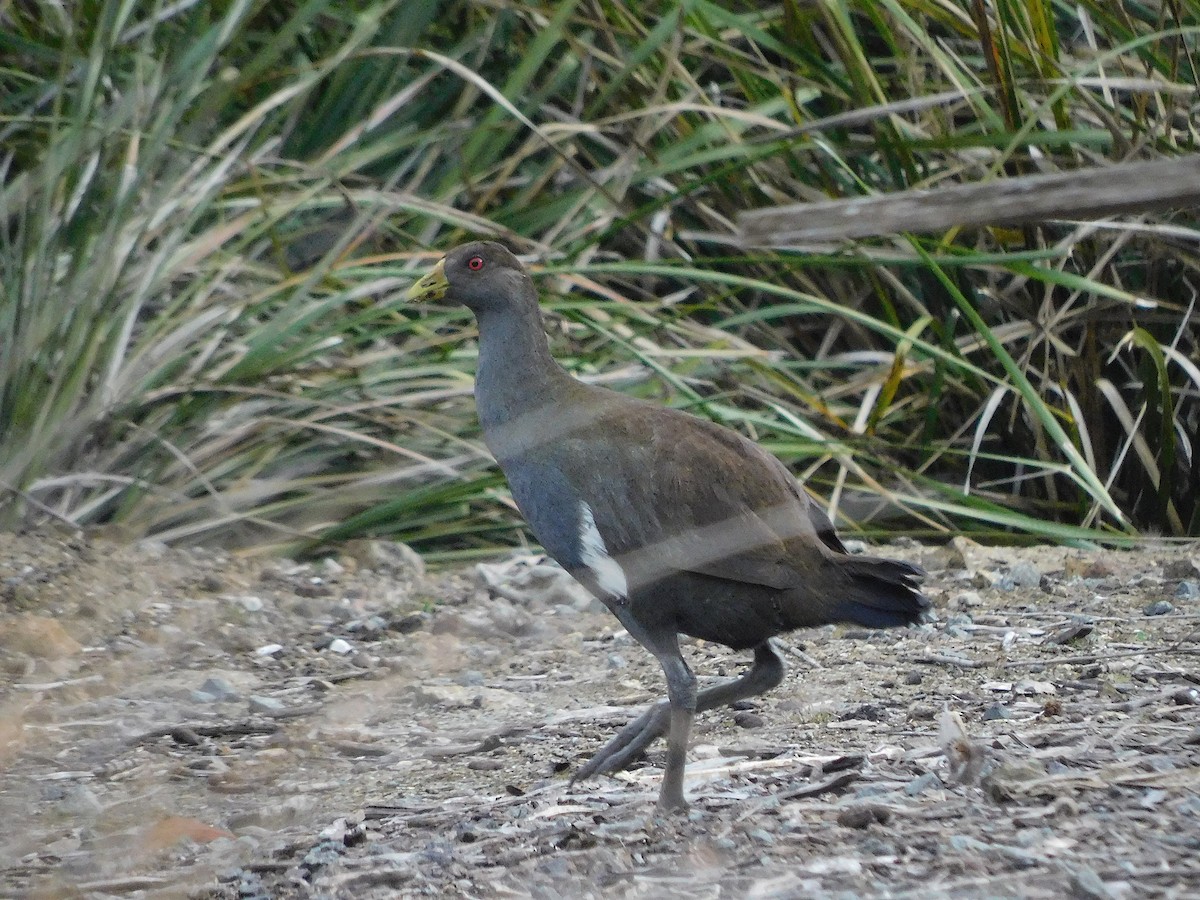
point(941, 659)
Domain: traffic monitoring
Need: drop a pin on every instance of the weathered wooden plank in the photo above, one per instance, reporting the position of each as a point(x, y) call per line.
point(1088, 193)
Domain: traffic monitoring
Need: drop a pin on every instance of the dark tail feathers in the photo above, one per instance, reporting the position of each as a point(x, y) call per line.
point(881, 593)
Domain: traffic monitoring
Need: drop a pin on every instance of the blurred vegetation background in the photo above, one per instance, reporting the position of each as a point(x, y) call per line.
point(209, 212)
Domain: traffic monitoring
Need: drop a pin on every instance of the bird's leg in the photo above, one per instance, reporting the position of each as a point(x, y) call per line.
point(630, 741)
point(681, 692)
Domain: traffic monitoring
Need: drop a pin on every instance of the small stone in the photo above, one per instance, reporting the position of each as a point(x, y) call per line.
point(1078, 629)
point(485, 764)
point(966, 600)
point(855, 547)
point(409, 622)
point(265, 705)
point(340, 646)
point(219, 689)
point(269, 650)
point(1159, 608)
point(748, 719)
point(922, 783)
point(211, 584)
point(996, 712)
point(1187, 590)
point(1187, 696)
point(1181, 568)
point(863, 815)
point(912, 678)
point(616, 661)
point(81, 802)
point(250, 603)
point(1087, 885)
point(470, 678)
point(186, 737)
point(332, 567)
point(1025, 575)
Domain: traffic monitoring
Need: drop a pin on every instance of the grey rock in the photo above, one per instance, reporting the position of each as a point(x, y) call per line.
point(1159, 608)
point(250, 603)
point(1187, 590)
point(1025, 575)
point(265, 705)
point(218, 689)
point(1085, 883)
point(81, 802)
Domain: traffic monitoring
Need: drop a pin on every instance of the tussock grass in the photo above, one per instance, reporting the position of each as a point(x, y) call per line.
point(208, 213)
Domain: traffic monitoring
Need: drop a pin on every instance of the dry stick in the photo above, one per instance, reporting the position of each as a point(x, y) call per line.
point(1087, 193)
point(1176, 647)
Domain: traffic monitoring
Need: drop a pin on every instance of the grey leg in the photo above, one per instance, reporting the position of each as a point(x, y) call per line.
point(630, 741)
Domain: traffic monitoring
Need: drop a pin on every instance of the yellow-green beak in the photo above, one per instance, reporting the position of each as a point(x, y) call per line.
point(432, 287)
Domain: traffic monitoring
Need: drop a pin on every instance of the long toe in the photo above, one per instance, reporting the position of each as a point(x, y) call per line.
point(628, 743)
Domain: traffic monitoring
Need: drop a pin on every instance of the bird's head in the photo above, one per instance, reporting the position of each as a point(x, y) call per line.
point(482, 276)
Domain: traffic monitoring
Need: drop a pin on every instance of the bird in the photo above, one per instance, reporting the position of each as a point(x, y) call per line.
point(678, 525)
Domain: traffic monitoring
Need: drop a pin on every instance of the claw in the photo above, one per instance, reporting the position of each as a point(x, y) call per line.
point(628, 743)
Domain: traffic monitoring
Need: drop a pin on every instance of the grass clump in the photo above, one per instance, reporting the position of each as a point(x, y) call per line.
point(207, 210)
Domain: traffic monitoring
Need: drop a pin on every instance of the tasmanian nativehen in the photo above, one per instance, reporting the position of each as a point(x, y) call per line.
point(677, 525)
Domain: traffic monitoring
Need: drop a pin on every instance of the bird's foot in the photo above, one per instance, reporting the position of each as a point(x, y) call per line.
point(628, 743)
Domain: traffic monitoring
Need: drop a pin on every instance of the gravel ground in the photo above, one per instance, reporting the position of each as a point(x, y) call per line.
point(191, 723)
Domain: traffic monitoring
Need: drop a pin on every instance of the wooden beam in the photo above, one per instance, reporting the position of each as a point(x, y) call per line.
point(1130, 187)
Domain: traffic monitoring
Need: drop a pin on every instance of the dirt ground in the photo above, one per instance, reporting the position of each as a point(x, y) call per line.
point(193, 724)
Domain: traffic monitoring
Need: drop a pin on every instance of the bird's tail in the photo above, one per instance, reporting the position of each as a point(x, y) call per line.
point(879, 593)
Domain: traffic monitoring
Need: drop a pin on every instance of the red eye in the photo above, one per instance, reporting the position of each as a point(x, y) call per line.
point(475, 263)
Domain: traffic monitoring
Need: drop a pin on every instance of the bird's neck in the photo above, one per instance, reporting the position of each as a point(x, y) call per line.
point(516, 376)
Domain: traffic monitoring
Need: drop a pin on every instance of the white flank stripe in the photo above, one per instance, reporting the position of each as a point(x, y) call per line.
point(592, 552)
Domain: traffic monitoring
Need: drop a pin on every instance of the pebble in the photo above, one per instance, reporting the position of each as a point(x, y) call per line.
point(1087, 884)
point(1025, 575)
point(470, 678)
point(265, 705)
point(996, 711)
point(966, 600)
point(413, 621)
point(485, 764)
point(912, 678)
point(616, 661)
point(1159, 608)
point(218, 689)
point(250, 603)
point(269, 650)
point(81, 802)
point(748, 719)
point(1188, 590)
point(922, 783)
point(863, 815)
point(338, 645)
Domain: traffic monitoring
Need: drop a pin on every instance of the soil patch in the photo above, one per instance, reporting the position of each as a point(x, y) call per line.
point(192, 723)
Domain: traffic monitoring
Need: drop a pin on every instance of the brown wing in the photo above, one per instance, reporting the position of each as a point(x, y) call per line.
point(698, 497)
